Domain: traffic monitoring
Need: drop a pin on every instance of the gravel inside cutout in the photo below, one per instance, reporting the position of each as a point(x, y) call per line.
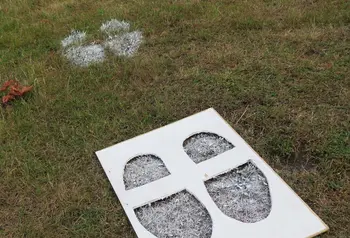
point(242, 193)
point(204, 146)
point(142, 170)
point(180, 215)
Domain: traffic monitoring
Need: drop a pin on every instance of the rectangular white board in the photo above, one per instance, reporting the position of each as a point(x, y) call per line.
point(289, 217)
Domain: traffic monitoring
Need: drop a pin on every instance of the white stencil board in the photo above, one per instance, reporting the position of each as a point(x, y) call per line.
point(290, 217)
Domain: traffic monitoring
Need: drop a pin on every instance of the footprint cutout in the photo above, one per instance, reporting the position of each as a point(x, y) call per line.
point(242, 193)
point(179, 215)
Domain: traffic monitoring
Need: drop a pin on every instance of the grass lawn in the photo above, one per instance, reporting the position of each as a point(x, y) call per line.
point(277, 70)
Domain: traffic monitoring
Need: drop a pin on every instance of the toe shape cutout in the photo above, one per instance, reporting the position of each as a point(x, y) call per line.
point(143, 169)
point(205, 145)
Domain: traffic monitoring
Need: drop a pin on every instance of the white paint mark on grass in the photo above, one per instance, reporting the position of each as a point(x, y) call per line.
point(85, 55)
point(117, 40)
point(114, 26)
point(126, 44)
point(75, 38)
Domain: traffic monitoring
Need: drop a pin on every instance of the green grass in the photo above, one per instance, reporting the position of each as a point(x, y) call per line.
point(286, 64)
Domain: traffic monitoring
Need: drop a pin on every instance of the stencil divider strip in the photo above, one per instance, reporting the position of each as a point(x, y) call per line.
point(224, 162)
point(153, 191)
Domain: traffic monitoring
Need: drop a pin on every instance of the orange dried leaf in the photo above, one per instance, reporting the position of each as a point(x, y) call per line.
point(15, 91)
point(26, 89)
point(19, 91)
point(7, 84)
point(7, 98)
